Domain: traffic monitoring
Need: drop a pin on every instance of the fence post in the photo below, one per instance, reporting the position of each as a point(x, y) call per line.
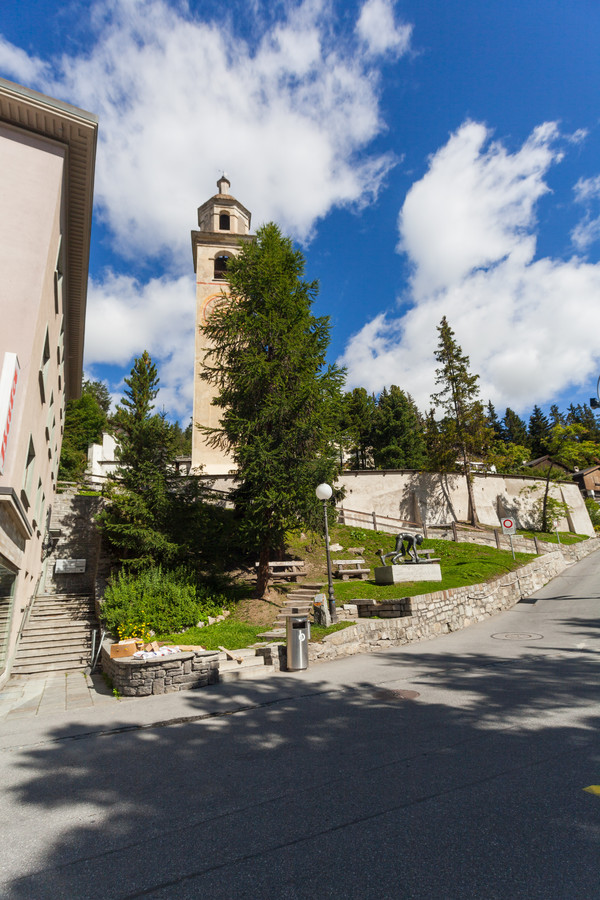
point(454, 532)
point(425, 530)
point(537, 548)
point(341, 519)
point(374, 520)
point(497, 536)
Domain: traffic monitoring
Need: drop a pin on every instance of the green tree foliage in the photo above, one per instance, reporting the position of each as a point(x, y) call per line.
point(494, 423)
point(464, 428)
point(358, 411)
point(100, 392)
point(397, 432)
point(508, 458)
point(539, 433)
point(155, 516)
point(85, 420)
point(135, 521)
point(582, 414)
point(514, 429)
point(567, 445)
point(277, 395)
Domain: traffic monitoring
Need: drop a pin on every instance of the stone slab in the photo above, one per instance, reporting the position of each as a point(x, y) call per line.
point(403, 574)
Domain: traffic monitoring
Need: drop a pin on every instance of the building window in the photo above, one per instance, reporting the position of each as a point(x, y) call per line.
point(221, 265)
point(45, 368)
point(224, 222)
point(26, 491)
point(58, 280)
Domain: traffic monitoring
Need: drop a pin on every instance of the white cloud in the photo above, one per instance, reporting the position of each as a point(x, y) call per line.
point(24, 68)
point(378, 30)
point(180, 99)
point(469, 228)
point(126, 317)
point(587, 230)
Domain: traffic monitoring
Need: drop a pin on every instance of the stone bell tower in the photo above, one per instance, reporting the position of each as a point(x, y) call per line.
point(223, 225)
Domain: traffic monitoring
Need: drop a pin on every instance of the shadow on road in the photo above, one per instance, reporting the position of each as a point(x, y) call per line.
point(473, 789)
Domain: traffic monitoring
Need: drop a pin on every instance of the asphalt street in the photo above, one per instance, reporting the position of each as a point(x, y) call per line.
point(465, 767)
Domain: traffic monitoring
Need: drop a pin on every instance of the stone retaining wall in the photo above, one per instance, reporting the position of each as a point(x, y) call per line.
point(444, 611)
point(163, 674)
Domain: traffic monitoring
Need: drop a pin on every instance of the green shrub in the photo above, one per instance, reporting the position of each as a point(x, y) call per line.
point(594, 511)
point(163, 601)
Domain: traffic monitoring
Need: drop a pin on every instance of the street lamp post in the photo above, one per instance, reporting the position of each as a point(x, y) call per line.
point(324, 492)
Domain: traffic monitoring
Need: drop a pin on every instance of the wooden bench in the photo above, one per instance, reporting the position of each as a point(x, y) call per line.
point(288, 569)
point(350, 568)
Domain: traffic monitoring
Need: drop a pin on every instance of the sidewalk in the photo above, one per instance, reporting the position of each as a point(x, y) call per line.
point(30, 696)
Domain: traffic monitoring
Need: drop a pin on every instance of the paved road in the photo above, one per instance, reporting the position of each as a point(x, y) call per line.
point(331, 783)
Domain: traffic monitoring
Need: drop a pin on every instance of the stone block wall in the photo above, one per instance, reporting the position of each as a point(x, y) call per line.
point(73, 516)
point(163, 674)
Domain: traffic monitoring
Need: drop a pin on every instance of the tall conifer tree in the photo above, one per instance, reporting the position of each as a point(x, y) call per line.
point(464, 428)
point(276, 392)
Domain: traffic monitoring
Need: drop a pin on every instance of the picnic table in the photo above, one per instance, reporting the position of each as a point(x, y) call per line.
point(350, 568)
point(288, 569)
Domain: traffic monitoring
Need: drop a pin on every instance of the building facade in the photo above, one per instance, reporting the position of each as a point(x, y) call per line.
point(224, 224)
point(47, 158)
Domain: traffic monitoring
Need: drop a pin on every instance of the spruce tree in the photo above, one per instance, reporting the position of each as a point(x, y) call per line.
point(397, 434)
point(514, 429)
point(278, 396)
point(539, 433)
point(493, 422)
point(135, 520)
point(358, 410)
point(464, 429)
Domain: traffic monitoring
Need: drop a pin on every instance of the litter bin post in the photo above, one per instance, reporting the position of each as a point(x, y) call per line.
point(297, 631)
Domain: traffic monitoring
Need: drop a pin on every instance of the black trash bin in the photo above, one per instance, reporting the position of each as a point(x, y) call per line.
point(297, 633)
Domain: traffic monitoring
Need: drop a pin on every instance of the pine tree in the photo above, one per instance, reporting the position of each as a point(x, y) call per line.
point(358, 410)
point(397, 433)
point(135, 521)
point(539, 433)
point(514, 429)
point(85, 420)
point(493, 422)
point(277, 395)
point(556, 417)
point(464, 427)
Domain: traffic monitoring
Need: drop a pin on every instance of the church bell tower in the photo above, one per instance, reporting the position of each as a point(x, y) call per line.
point(223, 223)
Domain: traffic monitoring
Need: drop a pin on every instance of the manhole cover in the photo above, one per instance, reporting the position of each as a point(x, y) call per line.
point(517, 636)
point(395, 695)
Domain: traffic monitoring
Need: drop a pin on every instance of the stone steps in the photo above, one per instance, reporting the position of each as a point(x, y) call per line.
point(58, 635)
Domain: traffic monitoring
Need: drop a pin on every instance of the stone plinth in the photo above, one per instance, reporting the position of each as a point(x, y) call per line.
point(402, 574)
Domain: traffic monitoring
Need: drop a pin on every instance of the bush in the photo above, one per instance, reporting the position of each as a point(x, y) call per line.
point(163, 601)
point(594, 510)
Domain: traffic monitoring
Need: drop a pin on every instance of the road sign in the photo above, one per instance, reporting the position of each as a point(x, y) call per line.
point(509, 526)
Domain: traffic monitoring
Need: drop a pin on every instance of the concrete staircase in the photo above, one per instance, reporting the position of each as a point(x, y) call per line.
point(299, 603)
point(251, 666)
point(58, 635)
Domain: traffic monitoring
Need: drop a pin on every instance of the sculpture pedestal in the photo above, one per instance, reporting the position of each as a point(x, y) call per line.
point(414, 572)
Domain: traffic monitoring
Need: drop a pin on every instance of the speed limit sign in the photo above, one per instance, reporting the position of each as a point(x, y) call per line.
point(509, 526)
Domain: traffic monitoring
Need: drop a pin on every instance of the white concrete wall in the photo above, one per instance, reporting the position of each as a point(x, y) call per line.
point(439, 499)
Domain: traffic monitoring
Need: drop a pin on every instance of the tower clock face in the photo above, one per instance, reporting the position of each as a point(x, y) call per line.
point(209, 306)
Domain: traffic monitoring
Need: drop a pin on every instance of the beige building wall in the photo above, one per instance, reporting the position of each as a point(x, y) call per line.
point(47, 153)
point(223, 224)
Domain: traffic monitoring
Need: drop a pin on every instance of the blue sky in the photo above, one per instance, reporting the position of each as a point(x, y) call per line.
point(431, 158)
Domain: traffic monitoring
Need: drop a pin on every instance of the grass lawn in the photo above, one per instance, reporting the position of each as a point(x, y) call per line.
point(566, 537)
point(236, 635)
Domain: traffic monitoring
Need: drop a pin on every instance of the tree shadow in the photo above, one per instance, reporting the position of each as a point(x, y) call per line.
point(297, 788)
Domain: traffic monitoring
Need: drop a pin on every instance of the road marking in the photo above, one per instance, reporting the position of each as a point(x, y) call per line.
point(593, 789)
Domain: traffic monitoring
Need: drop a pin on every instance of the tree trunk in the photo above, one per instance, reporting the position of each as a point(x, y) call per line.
point(262, 575)
point(474, 517)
